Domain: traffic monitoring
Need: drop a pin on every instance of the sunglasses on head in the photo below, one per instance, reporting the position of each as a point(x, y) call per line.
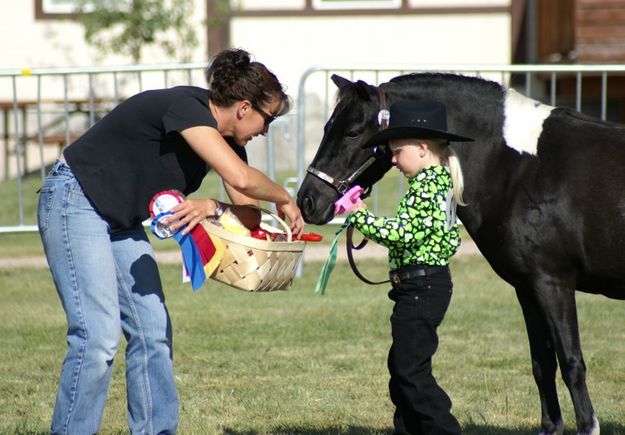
point(266, 116)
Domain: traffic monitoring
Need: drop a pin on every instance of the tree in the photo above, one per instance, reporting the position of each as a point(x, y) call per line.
point(126, 26)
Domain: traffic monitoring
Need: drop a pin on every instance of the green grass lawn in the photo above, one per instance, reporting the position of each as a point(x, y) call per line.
point(298, 363)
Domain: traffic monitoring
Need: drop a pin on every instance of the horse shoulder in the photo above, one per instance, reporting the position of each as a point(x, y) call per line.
point(523, 121)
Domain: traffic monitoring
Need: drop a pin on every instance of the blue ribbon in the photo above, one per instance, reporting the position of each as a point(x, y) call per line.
point(191, 258)
point(190, 254)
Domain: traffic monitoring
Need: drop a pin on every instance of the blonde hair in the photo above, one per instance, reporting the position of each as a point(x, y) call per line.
point(448, 158)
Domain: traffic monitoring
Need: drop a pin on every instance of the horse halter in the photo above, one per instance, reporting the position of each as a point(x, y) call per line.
point(341, 186)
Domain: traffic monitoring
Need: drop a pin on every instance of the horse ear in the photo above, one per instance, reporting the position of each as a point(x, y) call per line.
point(360, 86)
point(340, 82)
point(363, 89)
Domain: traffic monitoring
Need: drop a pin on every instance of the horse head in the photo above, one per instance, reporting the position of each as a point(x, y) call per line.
point(345, 163)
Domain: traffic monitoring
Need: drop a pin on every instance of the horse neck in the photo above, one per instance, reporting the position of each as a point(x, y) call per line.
point(474, 106)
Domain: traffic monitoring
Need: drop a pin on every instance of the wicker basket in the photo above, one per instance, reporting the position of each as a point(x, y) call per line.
point(256, 265)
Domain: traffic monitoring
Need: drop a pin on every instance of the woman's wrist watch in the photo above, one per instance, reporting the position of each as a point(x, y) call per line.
point(219, 210)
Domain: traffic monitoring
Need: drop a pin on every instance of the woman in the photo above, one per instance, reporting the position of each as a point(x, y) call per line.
point(90, 215)
point(420, 239)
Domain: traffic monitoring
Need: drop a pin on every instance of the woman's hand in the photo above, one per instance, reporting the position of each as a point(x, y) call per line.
point(190, 213)
point(293, 213)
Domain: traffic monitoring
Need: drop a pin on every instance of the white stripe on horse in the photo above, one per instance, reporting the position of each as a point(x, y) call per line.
point(523, 123)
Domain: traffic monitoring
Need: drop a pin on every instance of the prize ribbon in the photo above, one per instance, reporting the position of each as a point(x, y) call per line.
point(328, 266)
point(191, 257)
point(201, 253)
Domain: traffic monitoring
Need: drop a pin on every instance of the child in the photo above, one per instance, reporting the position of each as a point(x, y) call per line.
point(420, 240)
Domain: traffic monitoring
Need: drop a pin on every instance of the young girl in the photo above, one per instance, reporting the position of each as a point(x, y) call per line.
point(420, 239)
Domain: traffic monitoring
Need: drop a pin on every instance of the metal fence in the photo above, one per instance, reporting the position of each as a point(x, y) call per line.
point(47, 108)
point(596, 90)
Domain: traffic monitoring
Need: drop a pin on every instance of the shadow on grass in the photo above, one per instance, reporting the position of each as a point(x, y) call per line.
point(47, 432)
point(607, 428)
point(349, 430)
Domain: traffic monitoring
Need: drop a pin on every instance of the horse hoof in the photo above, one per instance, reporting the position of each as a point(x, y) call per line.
point(594, 429)
point(559, 429)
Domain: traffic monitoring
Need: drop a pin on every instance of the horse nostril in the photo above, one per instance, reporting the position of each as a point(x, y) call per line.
point(308, 206)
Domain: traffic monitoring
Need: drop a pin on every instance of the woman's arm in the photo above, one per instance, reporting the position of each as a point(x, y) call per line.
point(207, 143)
point(213, 149)
point(239, 198)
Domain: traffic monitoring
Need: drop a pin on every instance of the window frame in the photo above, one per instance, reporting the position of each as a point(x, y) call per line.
point(48, 10)
point(321, 5)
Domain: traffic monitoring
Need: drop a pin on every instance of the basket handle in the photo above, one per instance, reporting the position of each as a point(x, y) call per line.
point(287, 229)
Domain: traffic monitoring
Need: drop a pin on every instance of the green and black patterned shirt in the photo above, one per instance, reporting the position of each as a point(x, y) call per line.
point(425, 230)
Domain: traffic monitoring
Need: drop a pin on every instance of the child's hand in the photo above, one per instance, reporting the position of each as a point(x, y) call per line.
point(359, 206)
point(349, 200)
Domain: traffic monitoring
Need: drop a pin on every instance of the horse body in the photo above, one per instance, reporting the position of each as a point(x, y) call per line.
point(559, 211)
point(545, 205)
point(570, 195)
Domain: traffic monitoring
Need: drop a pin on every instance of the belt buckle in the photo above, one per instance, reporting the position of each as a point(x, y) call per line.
point(395, 278)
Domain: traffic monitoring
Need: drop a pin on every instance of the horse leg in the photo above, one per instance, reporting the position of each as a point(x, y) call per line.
point(557, 304)
point(544, 365)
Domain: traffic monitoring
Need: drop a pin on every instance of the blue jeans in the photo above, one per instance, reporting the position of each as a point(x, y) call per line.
point(108, 282)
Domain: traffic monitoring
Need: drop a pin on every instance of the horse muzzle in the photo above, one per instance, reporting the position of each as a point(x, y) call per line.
point(316, 209)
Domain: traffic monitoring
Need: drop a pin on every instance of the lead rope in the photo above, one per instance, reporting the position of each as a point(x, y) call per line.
point(327, 268)
point(350, 256)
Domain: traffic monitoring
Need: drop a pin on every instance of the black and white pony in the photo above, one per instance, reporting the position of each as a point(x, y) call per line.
point(546, 204)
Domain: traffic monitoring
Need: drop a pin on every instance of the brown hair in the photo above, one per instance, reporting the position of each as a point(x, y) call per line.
point(232, 76)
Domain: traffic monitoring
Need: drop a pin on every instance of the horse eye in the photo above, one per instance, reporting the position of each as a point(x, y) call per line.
point(352, 134)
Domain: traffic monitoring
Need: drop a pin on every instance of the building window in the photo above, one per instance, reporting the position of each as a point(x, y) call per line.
point(356, 4)
point(59, 6)
point(46, 9)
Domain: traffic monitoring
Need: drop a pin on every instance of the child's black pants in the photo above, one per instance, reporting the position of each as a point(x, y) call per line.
point(422, 295)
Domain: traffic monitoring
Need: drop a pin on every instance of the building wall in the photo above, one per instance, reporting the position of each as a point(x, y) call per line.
point(290, 44)
point(29, 42)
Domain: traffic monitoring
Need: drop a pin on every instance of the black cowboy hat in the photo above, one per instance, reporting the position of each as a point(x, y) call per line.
point(420, 119)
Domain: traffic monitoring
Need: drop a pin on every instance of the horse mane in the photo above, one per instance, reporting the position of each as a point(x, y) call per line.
point(461, 86)
point(449, 78)
point(470, 100)
point(473, 99)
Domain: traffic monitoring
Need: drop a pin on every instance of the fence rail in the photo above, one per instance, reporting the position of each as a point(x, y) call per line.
point(48, 107)
point(56, 96)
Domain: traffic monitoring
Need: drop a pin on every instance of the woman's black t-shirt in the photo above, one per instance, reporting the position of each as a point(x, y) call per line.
point(136, 151)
